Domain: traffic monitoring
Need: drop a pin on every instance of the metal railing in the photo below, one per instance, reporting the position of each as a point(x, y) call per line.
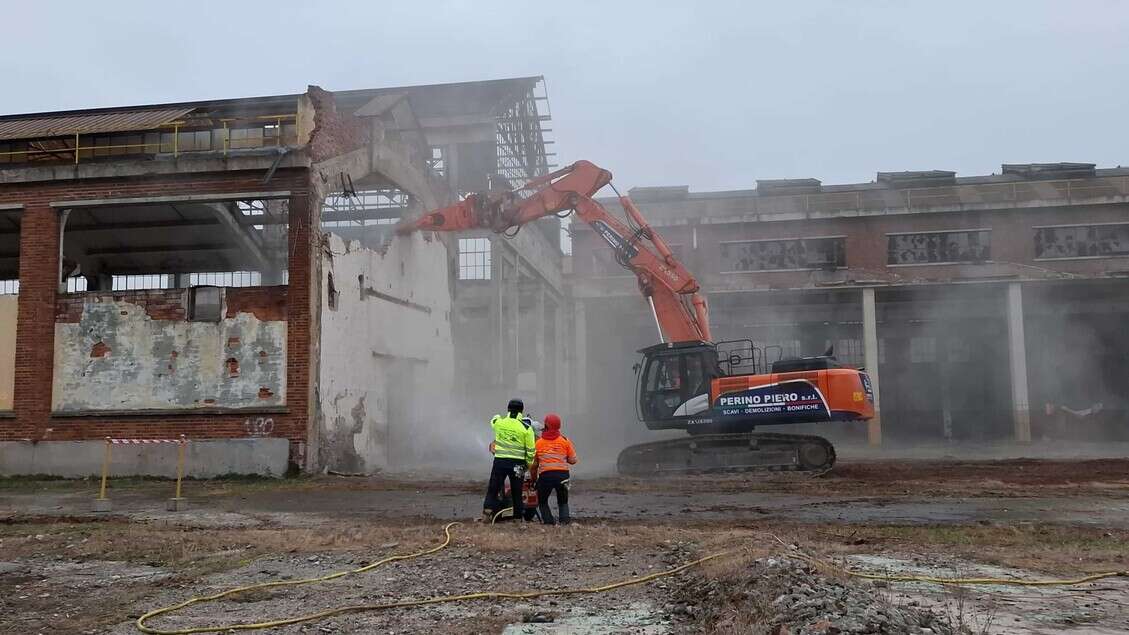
point(78, 151)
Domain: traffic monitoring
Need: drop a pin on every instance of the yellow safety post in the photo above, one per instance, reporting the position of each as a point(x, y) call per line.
point(176, 503)
point(179, 464)
point(102, 504)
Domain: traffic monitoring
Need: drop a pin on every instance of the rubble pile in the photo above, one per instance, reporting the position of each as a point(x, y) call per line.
point(783, 596)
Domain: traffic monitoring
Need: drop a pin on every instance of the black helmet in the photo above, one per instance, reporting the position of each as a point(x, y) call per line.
point(515, 405)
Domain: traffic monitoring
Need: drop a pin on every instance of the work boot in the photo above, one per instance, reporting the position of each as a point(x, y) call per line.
point(563, 509)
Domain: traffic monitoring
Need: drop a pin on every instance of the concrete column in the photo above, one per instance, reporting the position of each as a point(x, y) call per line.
point(537, 326)
point(1017, 354)
point(512, 344)
point(580, 357)
point(870, 353)
point(494, 318)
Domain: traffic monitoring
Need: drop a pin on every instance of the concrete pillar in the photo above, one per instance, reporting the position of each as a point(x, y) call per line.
point(497, 315)
point(537, 326)
point(1017, 354)
point(512, 343)
point(870, 353)
point(99, 282)
point(580, 357)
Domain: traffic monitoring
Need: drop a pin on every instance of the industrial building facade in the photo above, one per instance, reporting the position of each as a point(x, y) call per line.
point(985, 307)
point(225, 270)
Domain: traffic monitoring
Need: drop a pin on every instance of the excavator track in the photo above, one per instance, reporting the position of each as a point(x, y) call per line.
point(713, 453)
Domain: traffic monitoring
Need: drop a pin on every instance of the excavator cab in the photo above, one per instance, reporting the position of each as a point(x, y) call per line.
point(674, 382)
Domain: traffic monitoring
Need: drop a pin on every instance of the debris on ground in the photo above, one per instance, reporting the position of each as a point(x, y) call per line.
point(781, 595)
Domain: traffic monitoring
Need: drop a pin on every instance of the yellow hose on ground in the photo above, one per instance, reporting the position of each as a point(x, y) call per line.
point(518, 595)
point(357, 608)
point(499, 513)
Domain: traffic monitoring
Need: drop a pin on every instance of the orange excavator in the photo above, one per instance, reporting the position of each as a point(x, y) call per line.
point(719, 392)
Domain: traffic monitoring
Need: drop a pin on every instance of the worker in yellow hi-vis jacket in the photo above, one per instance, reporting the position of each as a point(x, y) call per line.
point(513, 448)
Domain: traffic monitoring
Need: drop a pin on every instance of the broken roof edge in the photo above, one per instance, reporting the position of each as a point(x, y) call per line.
point(263, 99)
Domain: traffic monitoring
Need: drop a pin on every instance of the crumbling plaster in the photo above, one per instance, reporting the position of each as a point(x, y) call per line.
point(386, 352)
point(387, 331)
point(116, 357)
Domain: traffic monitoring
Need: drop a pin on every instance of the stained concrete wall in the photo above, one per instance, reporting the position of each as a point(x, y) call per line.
point(7, 349)
point(203, 459)
point(386, 361)
point(117, 357)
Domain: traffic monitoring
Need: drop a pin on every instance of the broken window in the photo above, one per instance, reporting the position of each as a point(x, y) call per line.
point(10, 252)
point(365, 215)
point(1106, 240)
point(226, 279)
point(939, 247)
point(175, 245)
point(437, 162)
point(474, 259)
point(783, 255)
point(144, 281)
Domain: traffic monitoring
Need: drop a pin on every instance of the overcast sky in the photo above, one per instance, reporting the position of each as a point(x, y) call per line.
point(713, 95)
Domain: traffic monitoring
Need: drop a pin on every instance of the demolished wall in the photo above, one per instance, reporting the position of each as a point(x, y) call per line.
point(137, 351)
point(386, 361)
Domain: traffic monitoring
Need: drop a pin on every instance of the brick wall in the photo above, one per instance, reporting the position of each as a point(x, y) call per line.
point(159, 304)
point(40, 306)
point(265, 303)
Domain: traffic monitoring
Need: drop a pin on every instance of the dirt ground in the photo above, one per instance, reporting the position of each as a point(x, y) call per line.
point(64, 569)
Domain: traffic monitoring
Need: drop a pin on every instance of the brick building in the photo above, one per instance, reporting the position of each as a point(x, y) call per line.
point(987, 307)
point(225, 270)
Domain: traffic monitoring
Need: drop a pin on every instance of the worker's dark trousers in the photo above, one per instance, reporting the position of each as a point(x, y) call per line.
point(548, 482)
point(503, 469)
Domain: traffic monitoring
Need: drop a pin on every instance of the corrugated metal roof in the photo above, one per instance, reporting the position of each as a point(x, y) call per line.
point(46, 125)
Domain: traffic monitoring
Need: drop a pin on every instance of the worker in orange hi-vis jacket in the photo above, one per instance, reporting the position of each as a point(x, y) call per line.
point(553, 455)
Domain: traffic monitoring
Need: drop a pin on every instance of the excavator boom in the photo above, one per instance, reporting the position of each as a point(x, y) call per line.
point(681, 383)
point(672, 291)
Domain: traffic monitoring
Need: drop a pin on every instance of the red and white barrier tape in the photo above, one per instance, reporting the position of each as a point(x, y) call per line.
point(135, 441)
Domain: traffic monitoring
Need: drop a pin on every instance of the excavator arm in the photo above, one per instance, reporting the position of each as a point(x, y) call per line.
point(680, 311)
